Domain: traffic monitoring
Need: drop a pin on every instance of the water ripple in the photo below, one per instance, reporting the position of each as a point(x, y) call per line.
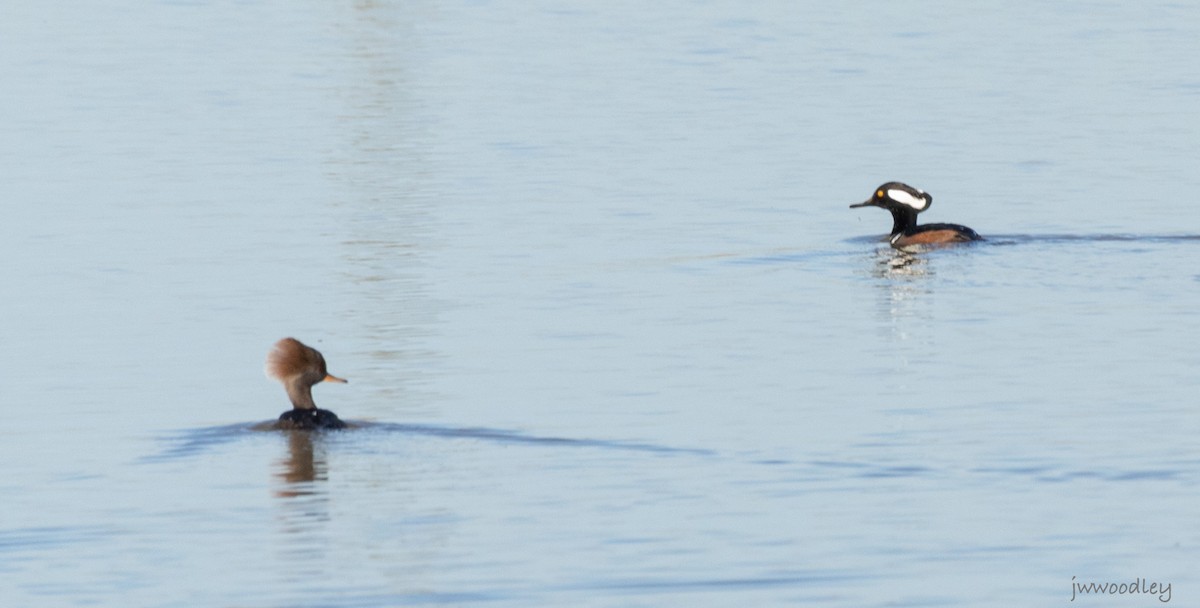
point(194, 441)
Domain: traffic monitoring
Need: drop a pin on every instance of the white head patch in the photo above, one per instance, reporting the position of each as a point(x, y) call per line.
point(901, 196)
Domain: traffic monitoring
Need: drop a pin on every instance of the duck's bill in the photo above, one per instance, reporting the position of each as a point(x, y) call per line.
point(333, 378)
point(867, 203)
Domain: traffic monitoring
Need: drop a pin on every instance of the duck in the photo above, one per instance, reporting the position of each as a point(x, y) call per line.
point(299, 367)
point(905, 202)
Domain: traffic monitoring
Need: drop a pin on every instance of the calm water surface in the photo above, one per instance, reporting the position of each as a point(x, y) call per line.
point(613, 335)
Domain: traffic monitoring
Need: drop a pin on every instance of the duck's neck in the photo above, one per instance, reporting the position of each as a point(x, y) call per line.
point(903, 220)
point(301, 395)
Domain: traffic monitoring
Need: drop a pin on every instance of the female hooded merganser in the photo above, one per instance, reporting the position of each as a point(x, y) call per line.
point(299, 367)
point(905, 202)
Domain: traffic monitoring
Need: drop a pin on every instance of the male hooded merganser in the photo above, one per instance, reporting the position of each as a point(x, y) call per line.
point(905, 202)
point(299, 367)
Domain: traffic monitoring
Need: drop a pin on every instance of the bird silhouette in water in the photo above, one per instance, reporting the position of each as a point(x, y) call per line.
point(299, 367)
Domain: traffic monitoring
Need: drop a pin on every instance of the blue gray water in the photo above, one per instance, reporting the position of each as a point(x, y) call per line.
point(612, 334)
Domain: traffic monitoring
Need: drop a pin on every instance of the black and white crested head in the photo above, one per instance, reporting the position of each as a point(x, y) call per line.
point(903, 201)
point(903, 194)
point(899, 197)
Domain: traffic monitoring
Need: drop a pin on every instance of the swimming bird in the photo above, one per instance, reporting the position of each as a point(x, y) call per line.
point(299, 367)
point(905, 202)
